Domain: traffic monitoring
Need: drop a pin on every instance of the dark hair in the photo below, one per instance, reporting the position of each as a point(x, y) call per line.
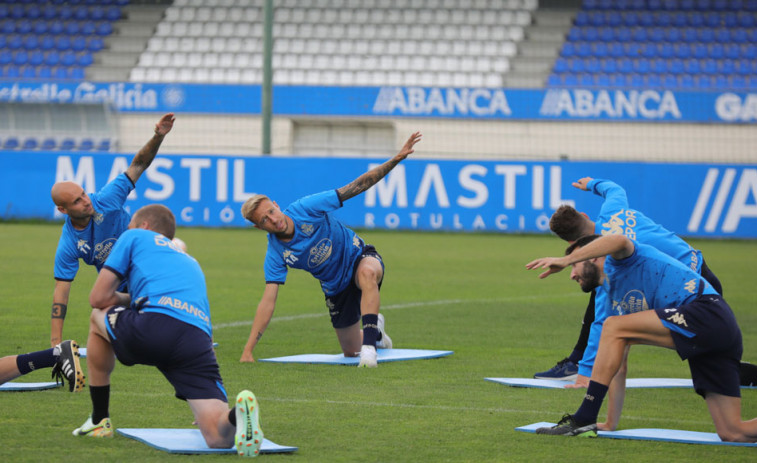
point(567, 223)
point(159, 217)
point(581, 242)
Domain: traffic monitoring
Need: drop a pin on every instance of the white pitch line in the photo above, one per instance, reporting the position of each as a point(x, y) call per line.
point(405, 305)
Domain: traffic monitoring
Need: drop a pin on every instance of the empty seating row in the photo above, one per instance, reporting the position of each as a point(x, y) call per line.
point(19, 11)
point(654, 50)
point(659, 5)
point(39, 27)
point(318, 77)
point(667, 81)
point(13, 71)
point(662, 34)
point(656, 66)
point(352, 47)
point(340, 31)
point(339, 62)
point(52, 58)
point(51, 42)
point(665, 19)
point(53, 143)
point(373, 4)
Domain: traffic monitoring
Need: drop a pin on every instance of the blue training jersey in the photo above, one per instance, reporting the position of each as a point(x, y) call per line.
point(156, 269)
point(94, 243)
point(616, 218)
point(321, 245)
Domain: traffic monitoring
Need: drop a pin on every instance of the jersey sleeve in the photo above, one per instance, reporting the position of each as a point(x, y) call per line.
point(614, 195)
point(114, 194)
point(274, 267)
point(318, 204)
point(66, 260)
point(119, 257)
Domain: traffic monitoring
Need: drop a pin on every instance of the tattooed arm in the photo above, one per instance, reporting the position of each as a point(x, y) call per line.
point(372, 177)
point(144, 157)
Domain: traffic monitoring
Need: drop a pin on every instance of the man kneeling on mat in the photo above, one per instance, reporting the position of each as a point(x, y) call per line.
point(164, 322)
point(686, 315)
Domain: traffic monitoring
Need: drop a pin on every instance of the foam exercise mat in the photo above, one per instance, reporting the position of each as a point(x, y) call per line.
point(660, 435)
point(188, 441)
point(13, 386)
point(384, 355)
point(631, 383)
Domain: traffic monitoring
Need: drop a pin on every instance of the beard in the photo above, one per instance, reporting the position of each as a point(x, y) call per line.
point(589, 277)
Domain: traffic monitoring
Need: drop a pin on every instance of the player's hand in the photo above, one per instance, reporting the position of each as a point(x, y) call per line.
point(581, 382)
point(247, 358)
point(604, 427)
point(552, 264)
point(165, 124)
point(408, 148)
point(582, 183)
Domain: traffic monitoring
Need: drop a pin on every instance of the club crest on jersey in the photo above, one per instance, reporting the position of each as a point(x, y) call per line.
point(83, 247)
point(307, 228)
point(289, 257)
point(356, 241)
point(98, 218)
point(320, 253)
point(633, 301)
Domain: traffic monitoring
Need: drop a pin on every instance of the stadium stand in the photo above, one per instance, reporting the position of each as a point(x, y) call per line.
point(682, 44)
point(42, 39)
point(332, 42)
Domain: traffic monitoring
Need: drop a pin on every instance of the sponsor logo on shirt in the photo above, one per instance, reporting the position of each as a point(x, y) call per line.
point(676, 318)
point(102, 250)
point(320, 253)
point(633, 301)
point(176, 303)
point(621, 223)
point(691, 286)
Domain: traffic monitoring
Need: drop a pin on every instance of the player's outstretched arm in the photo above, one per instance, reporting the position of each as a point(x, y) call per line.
point(144, 157)
point(58, 313)
point(372, 177)
point(262, 317)
point(582, 184)
point(104, 292)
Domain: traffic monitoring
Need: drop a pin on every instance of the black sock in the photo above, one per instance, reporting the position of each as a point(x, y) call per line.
point(233, 416)
point(576, 356)
point(100, 396)
point(370, 329)
point(589, 409)
point(34, 360)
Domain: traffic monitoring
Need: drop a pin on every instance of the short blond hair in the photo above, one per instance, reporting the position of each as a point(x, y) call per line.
point(249, 206)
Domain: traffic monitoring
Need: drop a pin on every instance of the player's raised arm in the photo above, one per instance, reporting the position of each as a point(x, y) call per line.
point(372, 177)
point(144, 157)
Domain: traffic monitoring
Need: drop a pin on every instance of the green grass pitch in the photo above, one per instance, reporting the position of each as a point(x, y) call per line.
point(469, 293)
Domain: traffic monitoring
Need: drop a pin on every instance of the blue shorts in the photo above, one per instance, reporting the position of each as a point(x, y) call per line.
point(182, 352)
point(706, 334)
point(344, 307)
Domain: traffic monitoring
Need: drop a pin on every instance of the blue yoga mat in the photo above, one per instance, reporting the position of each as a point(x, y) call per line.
point(188, 441)
point(13, 386)
point(384, 355)
point(660, 435)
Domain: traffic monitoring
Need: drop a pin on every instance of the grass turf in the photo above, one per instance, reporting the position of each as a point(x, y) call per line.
point(464, 292)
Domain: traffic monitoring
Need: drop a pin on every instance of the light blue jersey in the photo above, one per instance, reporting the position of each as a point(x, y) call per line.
point(156, 269)
point(321, 245)
point(616, 218)
point(650, 279)
point(94, 243)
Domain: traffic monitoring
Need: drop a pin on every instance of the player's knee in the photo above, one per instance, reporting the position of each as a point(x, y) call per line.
point(367, 274)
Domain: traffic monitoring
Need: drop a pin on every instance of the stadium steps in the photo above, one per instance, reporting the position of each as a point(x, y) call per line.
point(537, 52)
point(128, 40)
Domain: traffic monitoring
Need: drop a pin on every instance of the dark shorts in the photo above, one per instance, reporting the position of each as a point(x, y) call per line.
point(344, 307)
point(706, 334)
point(182, 352)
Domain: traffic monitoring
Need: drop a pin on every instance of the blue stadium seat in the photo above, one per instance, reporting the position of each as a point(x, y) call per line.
point(599, 49)
point(630, 18)
point(616, 50)
point(568, 50)
point(113, 13)
point(649, 50)
point(28, 72)
point(553, 80)
point(76, 73)
point(6, 57)
point(72, 28)
point(602, 80)
point(574, 34)
point(60, 72)
point(709, 66)
point(30, 144)
point(659, 66)
point(570, 80)
point(703, 83)
point(104, 28)
point(11, 143)
point(748, 51)
point(23, 27)
point(608, 66)
point(716, 51)
point(586, 80)
point(63, 43)
point(576, 65)
point(39, 27)
point(104, 145)
point(52, 58)
point(48, 144)
point(623, 34)
point(36, 57)
point(721, 82)
point(691, 66)
point(561, 65)
point(700, 50)
point(89, 28)
point(31, 42)
point(726, 66)
point(617, 80)
point(740, 35)
point(56, 28)
point(737, 82)
point(732, 51)
point(95, 44)
point(689, 34)
point(20, 57)
point(583, 49)
point(590, 34)
point(675, 66)
point(84, 59)
point(68, 58)
point(669, 81)
point(653, 80)
point(86, 144)
point(744, 67)
point(67, 144)
point(12, 71)
point(44, 72)
point(641, 66)
point(592, 65)
point(607, 34)
point(625, 65)
point(723, 35)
